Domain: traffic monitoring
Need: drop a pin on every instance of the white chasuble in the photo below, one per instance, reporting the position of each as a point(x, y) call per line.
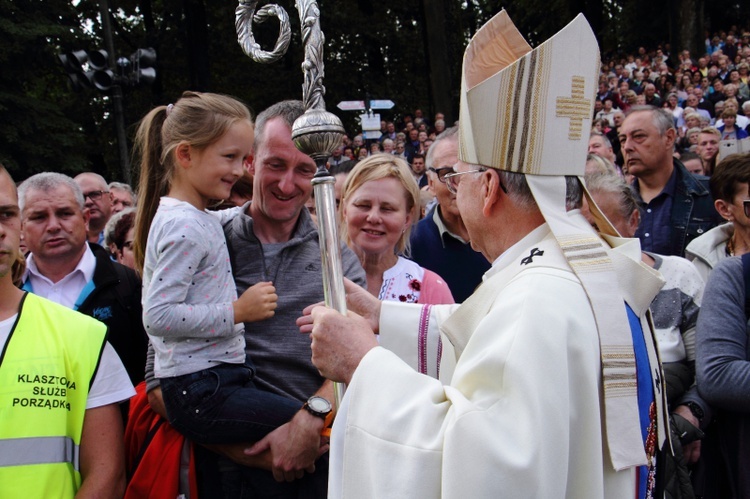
point(516, 411)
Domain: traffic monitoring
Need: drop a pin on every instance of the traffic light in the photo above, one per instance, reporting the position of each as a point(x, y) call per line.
point(143, 61)
point(80, 72)
point(92, 70)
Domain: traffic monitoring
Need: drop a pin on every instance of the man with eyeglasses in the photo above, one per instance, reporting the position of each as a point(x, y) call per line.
point(98, 201)
point(63, 267)
point(548, 382)
point(440, 241)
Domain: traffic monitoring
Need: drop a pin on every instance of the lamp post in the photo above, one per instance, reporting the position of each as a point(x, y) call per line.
point(316, 133)
point(118, 111)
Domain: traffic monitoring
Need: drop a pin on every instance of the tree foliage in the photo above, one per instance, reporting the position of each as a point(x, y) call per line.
point(408, 51)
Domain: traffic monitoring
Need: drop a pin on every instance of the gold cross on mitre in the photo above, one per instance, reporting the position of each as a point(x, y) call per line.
point(575, 107)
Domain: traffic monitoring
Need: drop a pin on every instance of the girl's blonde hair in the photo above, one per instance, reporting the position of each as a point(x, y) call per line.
point(376, 167)
point(199, 119)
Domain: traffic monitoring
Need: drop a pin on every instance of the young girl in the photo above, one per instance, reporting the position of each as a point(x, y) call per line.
point(192, 152)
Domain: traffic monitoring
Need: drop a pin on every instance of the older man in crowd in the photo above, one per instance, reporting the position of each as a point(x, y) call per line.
point(63, 267)
point(98, 202)
point(677, 206)
point(122, 196)
point(60, 382)
point(600, 145)
point(440, 241)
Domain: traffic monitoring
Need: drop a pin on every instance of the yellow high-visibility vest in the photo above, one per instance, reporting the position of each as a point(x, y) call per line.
point(46, 370)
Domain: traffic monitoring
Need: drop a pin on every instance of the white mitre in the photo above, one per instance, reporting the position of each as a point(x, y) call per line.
point(529, 111)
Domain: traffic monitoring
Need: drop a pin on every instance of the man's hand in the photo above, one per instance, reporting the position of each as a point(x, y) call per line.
point(361, 302)
point(339, 342)
point(358, 300)
point(690, 451)
point(294, 446)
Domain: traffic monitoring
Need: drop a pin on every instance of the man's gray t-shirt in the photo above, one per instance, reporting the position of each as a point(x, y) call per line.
point(280, 353)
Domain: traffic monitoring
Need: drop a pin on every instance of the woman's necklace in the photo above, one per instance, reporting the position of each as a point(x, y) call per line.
point(730, 246)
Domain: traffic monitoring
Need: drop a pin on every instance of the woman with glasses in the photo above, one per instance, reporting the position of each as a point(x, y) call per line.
point(730, 189)
point(379, 203)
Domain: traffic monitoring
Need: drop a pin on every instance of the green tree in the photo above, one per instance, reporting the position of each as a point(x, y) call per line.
point(41, 126)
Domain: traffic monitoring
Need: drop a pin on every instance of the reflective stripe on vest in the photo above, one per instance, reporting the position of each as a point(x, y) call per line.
point(38, 450)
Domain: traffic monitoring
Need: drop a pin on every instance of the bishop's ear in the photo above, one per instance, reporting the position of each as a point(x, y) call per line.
point(490, 190)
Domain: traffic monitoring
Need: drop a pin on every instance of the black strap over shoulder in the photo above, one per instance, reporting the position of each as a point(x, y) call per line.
point(746, 275)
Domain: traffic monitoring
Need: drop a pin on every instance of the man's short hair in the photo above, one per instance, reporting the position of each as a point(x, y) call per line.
point(288, 110)
point(4, 171)
point(662, 119)
point(102, 181)
point(344, 167)
point(122, 186)
point(728, 175)
point(728, 113)
point(447, 134)
point(711, 130)
point(612, 183)
point(693, 130)
point(603, 165)
point(605, 139)
point(46, 182)
point(520, 193)
point(417, 155)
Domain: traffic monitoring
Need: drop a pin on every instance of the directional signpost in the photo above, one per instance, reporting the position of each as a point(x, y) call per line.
point(381, 104)
point(370, 121)
point(351, 105)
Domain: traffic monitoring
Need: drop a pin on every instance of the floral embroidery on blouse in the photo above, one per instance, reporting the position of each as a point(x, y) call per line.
point(402, 282)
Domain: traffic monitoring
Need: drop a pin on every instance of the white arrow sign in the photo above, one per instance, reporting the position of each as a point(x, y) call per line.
point(351, 105)
point(381, 104)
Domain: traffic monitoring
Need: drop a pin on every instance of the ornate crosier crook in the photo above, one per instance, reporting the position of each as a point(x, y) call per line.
point(316, 133)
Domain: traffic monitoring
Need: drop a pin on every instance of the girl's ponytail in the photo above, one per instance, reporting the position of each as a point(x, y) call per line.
point(153, 182)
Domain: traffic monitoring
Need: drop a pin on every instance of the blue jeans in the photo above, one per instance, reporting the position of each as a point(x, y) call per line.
point(222, 405)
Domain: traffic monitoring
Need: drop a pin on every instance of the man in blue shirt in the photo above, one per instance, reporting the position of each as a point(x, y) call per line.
point(440, 241)
point(676, 205)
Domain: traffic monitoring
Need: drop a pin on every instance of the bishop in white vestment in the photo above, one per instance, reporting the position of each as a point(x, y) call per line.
point(529, 388)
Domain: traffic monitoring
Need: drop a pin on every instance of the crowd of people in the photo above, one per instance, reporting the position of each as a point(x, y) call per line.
point(151, 340)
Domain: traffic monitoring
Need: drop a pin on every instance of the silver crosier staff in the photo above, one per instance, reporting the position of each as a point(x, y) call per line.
point(316, 133)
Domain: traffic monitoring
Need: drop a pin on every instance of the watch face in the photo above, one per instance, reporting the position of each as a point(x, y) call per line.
point(319, 404)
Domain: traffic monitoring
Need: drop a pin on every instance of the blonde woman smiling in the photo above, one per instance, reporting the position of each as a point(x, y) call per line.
point(380, 201)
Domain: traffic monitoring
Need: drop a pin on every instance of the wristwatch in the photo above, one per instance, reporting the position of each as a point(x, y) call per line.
point(318, 406)
point(695, 409)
